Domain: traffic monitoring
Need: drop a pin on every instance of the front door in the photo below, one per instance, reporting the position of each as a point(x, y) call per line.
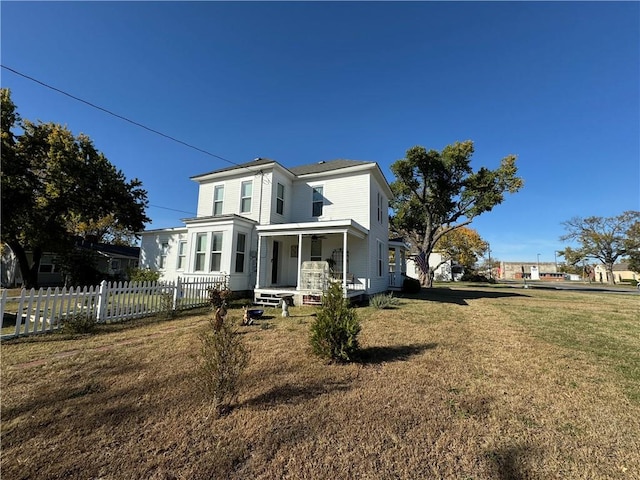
point(275, 260)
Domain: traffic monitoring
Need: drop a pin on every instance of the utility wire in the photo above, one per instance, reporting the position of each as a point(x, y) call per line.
point(121, 117)
point(172, 209)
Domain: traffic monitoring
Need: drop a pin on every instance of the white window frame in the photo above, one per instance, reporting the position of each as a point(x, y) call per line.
point(200, 253)
point(279, 199)
point(218, 201)
point(379, 207)
point(216, 253)
point(182, 255)
point(240, 253)
point(314, 190)
point(244, 197)
point(380, 258)
point(164, 248)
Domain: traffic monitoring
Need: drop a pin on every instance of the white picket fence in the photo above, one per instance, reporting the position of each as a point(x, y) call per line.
point(40, 311)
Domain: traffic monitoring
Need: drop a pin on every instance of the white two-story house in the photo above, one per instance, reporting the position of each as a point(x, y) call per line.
point(278, 231)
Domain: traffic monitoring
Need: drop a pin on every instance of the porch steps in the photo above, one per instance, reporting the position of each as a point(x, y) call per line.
point(267, 299)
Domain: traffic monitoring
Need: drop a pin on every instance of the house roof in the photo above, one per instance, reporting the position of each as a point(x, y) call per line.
point(121, 250)
point(253, 163)
point(326, 166)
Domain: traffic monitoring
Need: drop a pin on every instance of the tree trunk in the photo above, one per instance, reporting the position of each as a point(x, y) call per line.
point(610, 278)
point(29, 272)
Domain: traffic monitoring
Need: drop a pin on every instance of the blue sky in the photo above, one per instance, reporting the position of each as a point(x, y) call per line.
point(557, 84)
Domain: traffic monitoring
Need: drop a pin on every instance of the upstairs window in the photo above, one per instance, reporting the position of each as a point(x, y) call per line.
point(280, 199)
point(245, 196)
point(218, 195)
point(318, 201)
point(241, 245)
point(379, 208)
point(216, 251)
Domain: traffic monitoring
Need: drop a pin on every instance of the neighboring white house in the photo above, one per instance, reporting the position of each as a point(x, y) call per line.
point(442, 271)
point(271, 229)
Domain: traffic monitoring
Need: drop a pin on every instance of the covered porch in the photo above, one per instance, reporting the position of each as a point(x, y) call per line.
point(299, 259)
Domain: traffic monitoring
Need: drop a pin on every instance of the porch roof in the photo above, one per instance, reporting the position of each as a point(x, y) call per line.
point(313, 228)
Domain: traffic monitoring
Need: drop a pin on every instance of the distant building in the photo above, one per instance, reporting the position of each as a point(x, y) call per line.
point(547, 271)
point(621, 273)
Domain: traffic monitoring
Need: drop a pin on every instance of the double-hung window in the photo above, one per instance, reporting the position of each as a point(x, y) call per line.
point(218, 196)
point(246, 189)
point(241, 246)
point(201, 252)
point(318, 201)
point(379, 208)
point(280, 199)
point(216, 251)
point(164, 248)
point(380, 258)
point(182, 254)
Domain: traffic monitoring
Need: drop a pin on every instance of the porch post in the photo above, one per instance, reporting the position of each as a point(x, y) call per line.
point(258, 261)
point(299, 279)
point(344, 262)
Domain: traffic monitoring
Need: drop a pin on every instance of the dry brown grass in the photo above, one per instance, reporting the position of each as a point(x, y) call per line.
point(476, 383)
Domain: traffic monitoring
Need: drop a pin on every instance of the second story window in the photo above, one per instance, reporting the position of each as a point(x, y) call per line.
point(201, 251)
point(245, 196)
point(218, 195)
point(182, 254)
point(379, 208)
point(280, 199)
point(216, 251)
point(318, 201)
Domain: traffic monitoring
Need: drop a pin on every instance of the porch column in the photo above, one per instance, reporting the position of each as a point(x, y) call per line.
point(299, 279)
point(344, 262)
point(258, 261)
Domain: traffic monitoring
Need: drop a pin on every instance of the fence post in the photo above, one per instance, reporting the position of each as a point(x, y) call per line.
point(177, 293)
point(101, 310)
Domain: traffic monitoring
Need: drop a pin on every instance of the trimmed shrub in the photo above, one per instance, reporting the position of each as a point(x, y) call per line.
point(383, 300)
point(411, 285)
point(224, 360)
point(334, 333)
point(79, 323)
point(143, 275)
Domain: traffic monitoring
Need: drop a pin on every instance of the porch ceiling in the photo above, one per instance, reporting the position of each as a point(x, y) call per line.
point(313, 228)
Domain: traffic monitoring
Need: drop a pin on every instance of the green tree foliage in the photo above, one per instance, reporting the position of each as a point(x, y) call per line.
point(464, 246)
point(224, 358)
point(606, 239)
point(436, 192)
point(334, 333)
point(51, 180)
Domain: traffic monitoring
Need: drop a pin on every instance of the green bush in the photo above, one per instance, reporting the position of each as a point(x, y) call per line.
point(383, 300)
point(224, 359)
point(143, 275)
point(334, 333)
point(79, 323)
point(411, 285)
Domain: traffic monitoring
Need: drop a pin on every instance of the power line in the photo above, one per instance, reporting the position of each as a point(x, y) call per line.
point(121, 117)
point(172, 209)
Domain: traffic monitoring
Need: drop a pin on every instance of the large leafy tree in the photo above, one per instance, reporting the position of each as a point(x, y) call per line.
point(436, 192)
point(52, 179)
point(464, 246)
point(606, 239)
